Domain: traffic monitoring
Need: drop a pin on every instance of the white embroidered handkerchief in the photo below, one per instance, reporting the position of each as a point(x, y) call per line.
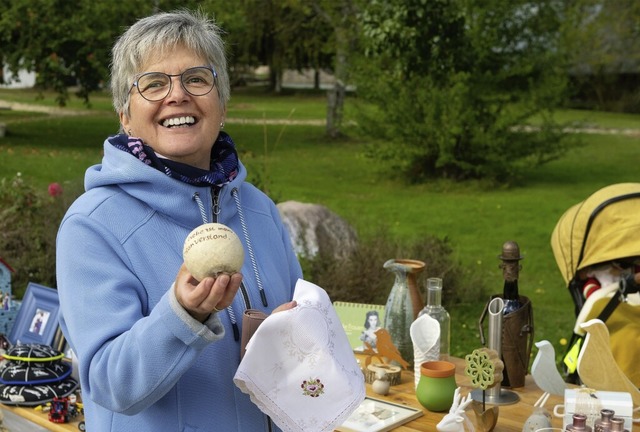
point(299, 367)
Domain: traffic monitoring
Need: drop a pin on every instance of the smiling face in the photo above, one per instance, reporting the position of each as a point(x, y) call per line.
point(181, 127)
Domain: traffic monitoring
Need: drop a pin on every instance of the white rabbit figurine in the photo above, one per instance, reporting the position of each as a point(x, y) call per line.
point(457, 419)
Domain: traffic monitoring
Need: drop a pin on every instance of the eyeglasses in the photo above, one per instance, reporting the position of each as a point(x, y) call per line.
point(155, 86)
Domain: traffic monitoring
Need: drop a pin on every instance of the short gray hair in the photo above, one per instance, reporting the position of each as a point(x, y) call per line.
point(157, 34)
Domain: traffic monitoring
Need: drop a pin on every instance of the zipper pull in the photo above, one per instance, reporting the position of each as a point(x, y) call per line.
point(215, 202)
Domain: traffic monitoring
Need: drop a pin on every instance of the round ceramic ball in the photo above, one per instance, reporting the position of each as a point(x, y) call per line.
point(211, 249)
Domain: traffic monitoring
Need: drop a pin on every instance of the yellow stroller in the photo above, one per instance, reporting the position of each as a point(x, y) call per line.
point(596, 244)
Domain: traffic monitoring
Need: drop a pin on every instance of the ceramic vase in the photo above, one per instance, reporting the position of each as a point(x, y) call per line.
point(437, 385)
point(404, 303)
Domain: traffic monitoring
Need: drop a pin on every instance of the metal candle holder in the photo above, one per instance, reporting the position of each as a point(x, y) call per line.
point(495, 395)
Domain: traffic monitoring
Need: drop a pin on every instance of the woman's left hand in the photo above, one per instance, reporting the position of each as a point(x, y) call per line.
point(285, 306)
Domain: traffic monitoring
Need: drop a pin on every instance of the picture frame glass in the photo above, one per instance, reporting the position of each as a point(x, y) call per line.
point(375, 415)
point(38, 318)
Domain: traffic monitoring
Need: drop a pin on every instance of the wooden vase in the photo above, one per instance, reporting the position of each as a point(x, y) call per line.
point(485, 420)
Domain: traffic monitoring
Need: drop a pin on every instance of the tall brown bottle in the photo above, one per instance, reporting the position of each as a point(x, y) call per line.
point(510, 272)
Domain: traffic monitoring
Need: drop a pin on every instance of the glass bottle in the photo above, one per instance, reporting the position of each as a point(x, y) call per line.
point(603, 424)
point(436, 311)
point(510, 271)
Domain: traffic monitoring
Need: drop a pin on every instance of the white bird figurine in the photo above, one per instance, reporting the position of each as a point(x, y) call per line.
point(597, 367)
point(544, 370)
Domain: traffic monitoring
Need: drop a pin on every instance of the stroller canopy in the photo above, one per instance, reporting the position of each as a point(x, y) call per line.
point(603, 227)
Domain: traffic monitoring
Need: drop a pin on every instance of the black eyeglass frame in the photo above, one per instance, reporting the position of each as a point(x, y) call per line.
point(181, 75)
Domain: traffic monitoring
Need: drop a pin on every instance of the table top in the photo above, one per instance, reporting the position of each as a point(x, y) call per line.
point(42, 419)
point(511, 418)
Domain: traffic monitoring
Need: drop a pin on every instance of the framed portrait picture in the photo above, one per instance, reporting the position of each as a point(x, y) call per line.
point(375, 415)
point(37, 319)
point(360, 322)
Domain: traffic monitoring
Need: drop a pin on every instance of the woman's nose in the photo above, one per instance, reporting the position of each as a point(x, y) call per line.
point(177, 93)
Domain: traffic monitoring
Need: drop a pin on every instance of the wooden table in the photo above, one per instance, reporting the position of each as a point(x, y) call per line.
point(42, 419)
point(511, 417)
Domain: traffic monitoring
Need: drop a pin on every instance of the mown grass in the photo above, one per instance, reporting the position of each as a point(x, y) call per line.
point(297, 162)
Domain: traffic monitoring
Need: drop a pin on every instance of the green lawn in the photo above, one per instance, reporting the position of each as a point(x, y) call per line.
point(299, 163)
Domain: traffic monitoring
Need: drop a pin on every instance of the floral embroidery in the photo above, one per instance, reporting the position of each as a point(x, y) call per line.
point(312, 387)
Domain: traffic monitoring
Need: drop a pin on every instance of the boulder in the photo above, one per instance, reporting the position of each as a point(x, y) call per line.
point(315, 229)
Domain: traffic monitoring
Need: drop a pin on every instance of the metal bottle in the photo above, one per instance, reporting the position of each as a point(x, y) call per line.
point(603, 424)
point(617, 425)
point(579, 424)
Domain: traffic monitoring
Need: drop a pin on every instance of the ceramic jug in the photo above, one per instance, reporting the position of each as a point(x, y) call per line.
point(403, 304)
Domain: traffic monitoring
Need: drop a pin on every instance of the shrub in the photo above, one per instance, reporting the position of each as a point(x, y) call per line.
point(361, 277)
point(29, 220)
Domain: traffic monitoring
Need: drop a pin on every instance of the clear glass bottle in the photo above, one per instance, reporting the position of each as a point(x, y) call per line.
point(603, 424)
point(436, 311)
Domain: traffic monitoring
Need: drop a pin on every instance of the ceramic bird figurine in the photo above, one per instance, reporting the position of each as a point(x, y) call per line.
point(597, 367)
point(544, 370)
point(386, 349)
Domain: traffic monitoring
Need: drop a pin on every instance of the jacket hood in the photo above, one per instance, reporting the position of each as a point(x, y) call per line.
point(164, 194)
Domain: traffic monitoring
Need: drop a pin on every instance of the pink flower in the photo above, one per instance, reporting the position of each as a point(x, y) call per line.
point(55, 189)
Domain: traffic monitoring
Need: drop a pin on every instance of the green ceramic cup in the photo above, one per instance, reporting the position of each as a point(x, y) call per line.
point(437, 385)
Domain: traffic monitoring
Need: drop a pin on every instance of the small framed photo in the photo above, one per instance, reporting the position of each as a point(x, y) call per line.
point(37, 320)
point(360, 322)
point(375, 415)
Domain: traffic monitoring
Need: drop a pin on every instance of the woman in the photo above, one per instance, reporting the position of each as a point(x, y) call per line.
point(157, 349)
point(371, 325)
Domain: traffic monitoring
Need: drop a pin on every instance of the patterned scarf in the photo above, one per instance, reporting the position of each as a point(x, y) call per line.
point(224, 161)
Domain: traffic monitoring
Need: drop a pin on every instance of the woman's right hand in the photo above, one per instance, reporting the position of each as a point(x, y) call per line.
point(201, 298)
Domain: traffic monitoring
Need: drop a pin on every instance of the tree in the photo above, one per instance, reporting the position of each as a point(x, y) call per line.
point(603, 44)
point(341, 16)
point(67, 43)
point(453, 81)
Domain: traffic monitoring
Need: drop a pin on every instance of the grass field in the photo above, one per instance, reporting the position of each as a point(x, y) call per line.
point(296, 162)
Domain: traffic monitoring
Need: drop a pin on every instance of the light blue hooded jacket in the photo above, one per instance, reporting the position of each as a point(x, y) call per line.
point(144, 363)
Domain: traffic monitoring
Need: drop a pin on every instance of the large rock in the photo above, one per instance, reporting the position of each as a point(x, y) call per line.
point(315, 229)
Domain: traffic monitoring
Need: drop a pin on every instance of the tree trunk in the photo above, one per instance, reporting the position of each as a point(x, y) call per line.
point(335, 103)
point(316, 79)
point(336, 95)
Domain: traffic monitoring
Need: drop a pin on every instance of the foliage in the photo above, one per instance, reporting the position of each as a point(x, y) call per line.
point(66, 43)
point(29, 220)
point(454, 83)
point(361, 277)
point(602, 41)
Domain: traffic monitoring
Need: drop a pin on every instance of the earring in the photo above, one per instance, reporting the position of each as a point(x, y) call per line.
point(129, 132)
point(222, 125)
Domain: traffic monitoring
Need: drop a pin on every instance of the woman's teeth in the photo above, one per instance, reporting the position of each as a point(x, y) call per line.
point(178, 121)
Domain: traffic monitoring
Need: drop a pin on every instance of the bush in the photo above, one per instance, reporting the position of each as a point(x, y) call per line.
point(29, 220)
point(361, 278)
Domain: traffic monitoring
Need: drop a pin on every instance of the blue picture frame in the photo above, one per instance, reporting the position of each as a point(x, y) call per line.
point(38, 317)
